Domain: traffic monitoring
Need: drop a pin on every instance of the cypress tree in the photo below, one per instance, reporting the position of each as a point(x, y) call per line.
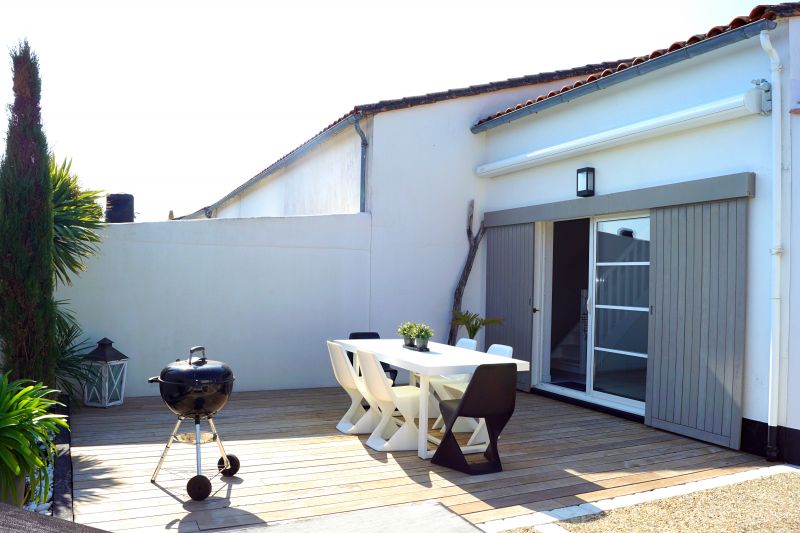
point(27, 311)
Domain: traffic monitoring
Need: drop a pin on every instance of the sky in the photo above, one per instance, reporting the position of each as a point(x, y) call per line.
point(179, 102)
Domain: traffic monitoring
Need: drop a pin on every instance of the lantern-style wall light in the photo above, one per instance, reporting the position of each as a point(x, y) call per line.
point(109, 365)
point(585, 182)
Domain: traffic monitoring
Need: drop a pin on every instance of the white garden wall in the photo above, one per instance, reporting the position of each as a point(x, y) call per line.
point(262, 294)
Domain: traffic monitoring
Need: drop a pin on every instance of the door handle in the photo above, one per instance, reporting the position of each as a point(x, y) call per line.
point(534, 310)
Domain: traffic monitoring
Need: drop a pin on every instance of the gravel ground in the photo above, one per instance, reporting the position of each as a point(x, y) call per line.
point(767, 504)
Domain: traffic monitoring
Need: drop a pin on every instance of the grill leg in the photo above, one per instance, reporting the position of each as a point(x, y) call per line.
point(169, 443)
point(197, 444)
point(219, 443)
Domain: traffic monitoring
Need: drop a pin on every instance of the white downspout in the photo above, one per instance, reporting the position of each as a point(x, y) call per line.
point(776, 250)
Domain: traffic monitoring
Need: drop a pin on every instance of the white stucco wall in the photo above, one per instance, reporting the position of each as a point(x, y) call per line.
point(420, 180)
point(326, 180)
point(261, 294)
point(741, 145)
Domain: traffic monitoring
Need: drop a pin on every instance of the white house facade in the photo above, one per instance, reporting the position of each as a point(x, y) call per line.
point(664, 291)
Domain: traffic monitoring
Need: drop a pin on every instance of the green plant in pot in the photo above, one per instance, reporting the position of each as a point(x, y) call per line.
point(473, 322)
point(422, 335)
point(407, 331)
point(27, 428)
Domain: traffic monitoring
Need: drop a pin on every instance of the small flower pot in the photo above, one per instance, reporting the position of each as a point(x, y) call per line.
point(408, 341)
point(422, 344)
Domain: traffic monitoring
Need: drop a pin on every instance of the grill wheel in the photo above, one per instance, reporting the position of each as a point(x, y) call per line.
point(228, 472)
point(199, 487)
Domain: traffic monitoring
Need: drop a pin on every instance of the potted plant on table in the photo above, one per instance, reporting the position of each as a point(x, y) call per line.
point(27, 429)
point(407, 330)
point(422, 334)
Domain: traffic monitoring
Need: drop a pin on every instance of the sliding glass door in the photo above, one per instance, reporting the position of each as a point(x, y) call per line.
point(599, 309)
point(620, 307)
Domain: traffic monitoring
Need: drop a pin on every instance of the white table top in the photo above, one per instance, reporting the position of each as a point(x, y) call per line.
point(442, 359)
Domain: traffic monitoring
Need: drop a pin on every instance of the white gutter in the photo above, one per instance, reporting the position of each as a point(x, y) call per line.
point(777, 247)
point(741, 105)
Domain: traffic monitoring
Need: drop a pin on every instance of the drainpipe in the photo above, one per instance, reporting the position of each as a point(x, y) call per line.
point(364, 145)
point(772, 451)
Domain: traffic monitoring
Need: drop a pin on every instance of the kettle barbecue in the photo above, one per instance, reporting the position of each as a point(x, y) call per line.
point(197, 388)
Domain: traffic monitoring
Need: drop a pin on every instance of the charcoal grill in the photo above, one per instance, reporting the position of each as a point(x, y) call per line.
point(197, 389)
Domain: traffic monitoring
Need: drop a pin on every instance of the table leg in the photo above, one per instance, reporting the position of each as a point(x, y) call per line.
point(423, 417)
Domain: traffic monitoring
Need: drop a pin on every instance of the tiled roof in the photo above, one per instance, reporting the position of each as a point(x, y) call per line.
point(761, 12)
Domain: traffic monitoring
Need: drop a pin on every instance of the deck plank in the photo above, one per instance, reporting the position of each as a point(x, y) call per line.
point(296, 465)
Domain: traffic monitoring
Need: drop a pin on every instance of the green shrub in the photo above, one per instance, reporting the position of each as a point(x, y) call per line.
point(26, 435)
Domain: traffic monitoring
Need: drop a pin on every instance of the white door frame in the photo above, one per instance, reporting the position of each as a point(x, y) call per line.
point(543, 292)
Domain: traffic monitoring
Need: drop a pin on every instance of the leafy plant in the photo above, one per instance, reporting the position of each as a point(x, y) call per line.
point(473, 322)
point(406, 329)
point(71, 369)
point(76, 218)
point(27, 326)
point(423, 331)
point(26, 427)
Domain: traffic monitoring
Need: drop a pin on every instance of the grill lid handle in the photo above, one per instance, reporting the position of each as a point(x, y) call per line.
point(154, 379)
point(201, 349)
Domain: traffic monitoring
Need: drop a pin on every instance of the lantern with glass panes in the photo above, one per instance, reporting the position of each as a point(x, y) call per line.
point(109, 366)
point(585, 182)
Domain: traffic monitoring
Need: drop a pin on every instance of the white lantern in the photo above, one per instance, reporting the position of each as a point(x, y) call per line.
point(109, 366)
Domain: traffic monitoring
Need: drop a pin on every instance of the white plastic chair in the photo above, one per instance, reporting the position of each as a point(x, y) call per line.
point(500, 349)
point(469, 344)
point(387, 437)
point(438, 383)
point(356, 420)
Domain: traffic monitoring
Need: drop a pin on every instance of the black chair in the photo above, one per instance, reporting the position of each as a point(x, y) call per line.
point(392, 372)
point(491, 394)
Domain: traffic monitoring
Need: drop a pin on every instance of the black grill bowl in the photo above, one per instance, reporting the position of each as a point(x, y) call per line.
point(196, 387)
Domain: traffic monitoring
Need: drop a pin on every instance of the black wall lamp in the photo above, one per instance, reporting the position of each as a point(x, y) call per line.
point(585, 182)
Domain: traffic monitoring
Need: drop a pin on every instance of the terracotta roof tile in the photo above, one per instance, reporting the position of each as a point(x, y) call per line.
point(759, 12)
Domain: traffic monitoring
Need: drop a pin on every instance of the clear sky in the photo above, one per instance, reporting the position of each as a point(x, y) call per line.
point(178, 103)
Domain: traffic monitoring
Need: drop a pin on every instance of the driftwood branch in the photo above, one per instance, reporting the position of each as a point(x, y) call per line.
point(474, 242)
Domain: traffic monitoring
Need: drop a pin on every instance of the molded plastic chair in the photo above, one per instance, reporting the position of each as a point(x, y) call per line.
point(456, 390)
point(501, 349)
point(355, 421)
point(469, 344)
point(387, 437)
point(372, 335)
point(491, 395)
point(438, 383)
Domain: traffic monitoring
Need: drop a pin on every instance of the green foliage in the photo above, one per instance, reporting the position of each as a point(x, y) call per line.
point(406, 329)
point(473, 322)
point(415, 330)
point(423, 331)
point(27, 310)
point(71, 370)
point(26, 426)
point(76, 218)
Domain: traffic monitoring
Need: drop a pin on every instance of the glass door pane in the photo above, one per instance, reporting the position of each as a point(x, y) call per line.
point(621, 312)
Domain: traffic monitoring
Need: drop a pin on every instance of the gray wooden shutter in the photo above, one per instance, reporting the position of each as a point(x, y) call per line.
point(697, 319)
point(509, 291)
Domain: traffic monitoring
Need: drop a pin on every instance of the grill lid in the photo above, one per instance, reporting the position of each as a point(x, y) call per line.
point(196, 371)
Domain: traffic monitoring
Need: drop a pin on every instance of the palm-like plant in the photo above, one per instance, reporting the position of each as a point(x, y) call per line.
point(473, 322)
point(26, 445)
point(76, 218)
point(71, 370)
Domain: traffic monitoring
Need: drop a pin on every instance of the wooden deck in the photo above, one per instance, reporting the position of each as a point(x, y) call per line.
point(296, 465)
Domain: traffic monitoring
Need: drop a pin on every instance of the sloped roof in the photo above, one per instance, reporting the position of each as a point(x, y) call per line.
point(759, 13)
point(360, 111)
